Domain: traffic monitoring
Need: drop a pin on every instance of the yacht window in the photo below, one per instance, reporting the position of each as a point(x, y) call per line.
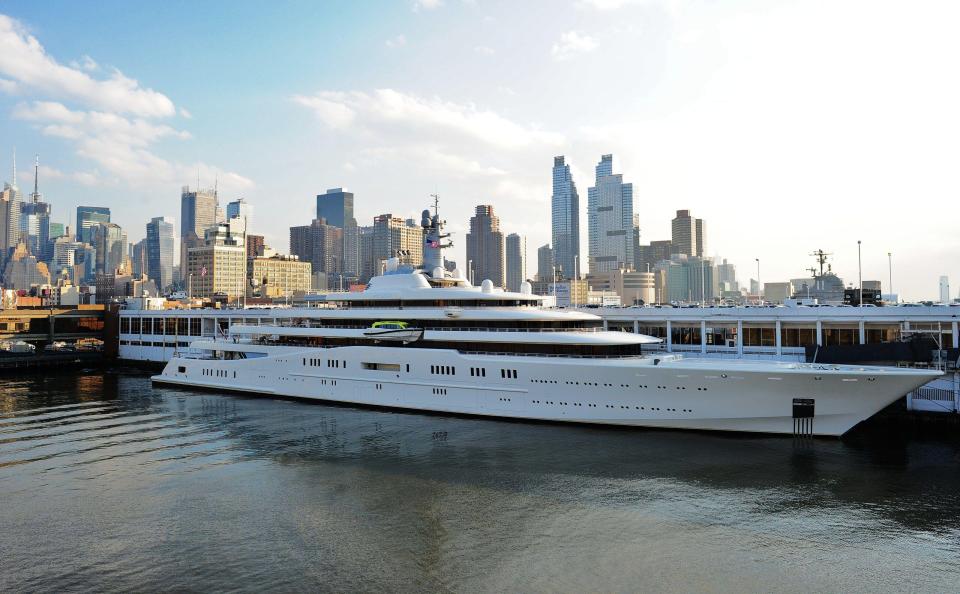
point(381, 366)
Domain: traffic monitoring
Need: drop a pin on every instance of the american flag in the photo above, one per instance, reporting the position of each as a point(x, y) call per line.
point(434, 244)
point(203, 271)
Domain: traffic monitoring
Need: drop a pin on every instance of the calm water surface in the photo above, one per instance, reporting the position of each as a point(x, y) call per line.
point(107, 483)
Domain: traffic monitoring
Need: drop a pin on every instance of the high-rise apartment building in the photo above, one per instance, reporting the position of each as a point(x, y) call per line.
point(610, 220)
point(565, 219)
point(219, 266)
point(255, 246)
point(646, 257)
point(159, 252)
point(516, 248)
point(396, 237)
point(545, 263)
point(87, 218)
point(279, 276)
point(367, 261)
point(320, 244)
point(485, 247)
point(336, 206)
point(944, 289)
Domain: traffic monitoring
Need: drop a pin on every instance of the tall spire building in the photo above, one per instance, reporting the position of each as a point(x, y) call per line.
point(35, 220)
point(565, 219)
point(610, 220)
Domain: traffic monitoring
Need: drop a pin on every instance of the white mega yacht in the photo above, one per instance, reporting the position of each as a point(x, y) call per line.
point(428, 340)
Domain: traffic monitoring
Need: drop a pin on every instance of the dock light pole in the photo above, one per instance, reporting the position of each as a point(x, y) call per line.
point(860, 273)
point(759, 286)
point(890, 272)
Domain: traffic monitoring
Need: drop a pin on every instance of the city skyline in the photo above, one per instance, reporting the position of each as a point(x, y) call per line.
point(129, 141)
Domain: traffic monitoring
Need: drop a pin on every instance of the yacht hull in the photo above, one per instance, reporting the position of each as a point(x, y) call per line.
point(669, 393)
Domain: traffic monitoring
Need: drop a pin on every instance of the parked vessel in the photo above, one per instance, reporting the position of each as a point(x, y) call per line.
point(462, 349)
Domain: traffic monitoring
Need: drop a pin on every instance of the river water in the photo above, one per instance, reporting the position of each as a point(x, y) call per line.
point(107, 484)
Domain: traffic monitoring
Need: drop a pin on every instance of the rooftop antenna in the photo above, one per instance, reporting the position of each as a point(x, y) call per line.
point(821, 257)
point(436, 203)
point(216, 183)
point(36, 174)
point(14, 167)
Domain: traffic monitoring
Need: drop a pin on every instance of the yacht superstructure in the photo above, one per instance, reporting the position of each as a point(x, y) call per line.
point(429, 340)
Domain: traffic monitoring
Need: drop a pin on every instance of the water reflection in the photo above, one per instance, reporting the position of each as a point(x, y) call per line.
point(128, 485)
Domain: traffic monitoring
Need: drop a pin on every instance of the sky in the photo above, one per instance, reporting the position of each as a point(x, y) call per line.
point(789, 126)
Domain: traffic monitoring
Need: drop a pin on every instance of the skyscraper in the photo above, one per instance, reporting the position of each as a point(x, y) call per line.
point(565, 219)
point(35, 220)
point(684, 233)
point(138, 258)
point(9, 221)
point(240, 209)
point(336, 206)
point(87, 218)
point(485, 247)
point(320, 244)
point(198, 212)
point(701, 231)
point(610, 220)
point(159, 252)
point(944, 289)
point(516, 248)
point(111, 244)
point(545, 263)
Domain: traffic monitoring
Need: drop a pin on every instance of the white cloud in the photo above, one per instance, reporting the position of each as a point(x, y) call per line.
point(85, 63)
point(572, 43)
point(424, 117)
point(329, 107)
point(484, 50)
point(419, 5)
point(87, 178)
point(606, 5)
point(120, 146)
point(185, 114)
point(24, 60)
point(116, 126)
point(396, 41)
